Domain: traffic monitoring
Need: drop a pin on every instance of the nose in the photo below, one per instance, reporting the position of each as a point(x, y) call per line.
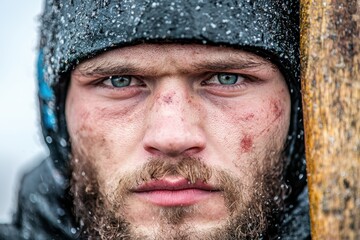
point(174, 125)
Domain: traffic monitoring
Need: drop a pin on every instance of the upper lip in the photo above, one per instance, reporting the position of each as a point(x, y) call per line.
point(173, 185)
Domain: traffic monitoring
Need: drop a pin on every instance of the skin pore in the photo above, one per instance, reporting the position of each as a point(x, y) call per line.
point(177, 142)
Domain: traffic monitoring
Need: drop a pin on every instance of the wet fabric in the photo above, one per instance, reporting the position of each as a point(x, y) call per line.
point(44, 207)
point(74, 30)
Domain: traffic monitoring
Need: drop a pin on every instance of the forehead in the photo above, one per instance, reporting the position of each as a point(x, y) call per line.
point(180, 56)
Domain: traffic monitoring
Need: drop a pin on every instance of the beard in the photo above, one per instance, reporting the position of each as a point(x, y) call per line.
point(101, 215)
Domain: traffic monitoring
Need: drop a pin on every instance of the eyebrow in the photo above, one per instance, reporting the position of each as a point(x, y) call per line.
point(228, 64)
point(106, 68)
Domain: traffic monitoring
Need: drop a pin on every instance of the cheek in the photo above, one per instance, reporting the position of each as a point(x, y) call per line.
point(98, 130)
point(88, 136)
point(254, 124)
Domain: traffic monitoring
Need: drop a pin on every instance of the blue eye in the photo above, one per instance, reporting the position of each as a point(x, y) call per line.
point(227, 78)
point(120, 81)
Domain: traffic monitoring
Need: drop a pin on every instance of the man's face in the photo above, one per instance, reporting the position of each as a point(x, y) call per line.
point(177, 142)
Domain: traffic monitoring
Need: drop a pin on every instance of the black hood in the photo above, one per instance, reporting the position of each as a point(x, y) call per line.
point(74, 30)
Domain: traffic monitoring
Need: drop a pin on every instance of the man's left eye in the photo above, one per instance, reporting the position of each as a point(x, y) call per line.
point(227, 78)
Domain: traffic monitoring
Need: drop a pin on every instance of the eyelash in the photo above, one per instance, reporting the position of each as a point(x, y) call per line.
point(100, 82)
point(241, 81)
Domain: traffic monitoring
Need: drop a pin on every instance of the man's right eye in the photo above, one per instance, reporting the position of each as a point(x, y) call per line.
point(117, 81)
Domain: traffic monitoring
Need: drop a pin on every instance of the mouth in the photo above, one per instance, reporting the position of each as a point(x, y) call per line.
point(175, 192)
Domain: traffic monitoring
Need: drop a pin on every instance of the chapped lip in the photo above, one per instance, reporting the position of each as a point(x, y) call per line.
point(178, 184)
point(175, 191)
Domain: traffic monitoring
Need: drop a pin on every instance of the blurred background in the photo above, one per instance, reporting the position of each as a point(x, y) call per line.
point(21, 143)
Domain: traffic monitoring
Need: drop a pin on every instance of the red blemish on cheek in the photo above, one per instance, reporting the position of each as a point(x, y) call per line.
point(246, 143)
point(249, 116)
point(274, 113)
point(276, 108)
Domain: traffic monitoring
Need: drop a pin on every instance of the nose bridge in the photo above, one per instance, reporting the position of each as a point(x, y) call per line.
point(170, 101)
point(171, 107)
point(173, 123)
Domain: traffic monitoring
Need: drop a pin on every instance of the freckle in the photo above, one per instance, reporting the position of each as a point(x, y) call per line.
point(246, 143)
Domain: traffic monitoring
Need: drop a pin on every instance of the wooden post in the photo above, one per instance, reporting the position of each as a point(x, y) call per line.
point(330, 49)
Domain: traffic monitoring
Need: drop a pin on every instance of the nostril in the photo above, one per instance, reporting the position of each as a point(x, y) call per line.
point(170, 152)
point(152, 150)
point(169, 149)
point(193, 151)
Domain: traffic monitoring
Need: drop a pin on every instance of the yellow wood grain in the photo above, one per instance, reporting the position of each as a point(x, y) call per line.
point(330, 62)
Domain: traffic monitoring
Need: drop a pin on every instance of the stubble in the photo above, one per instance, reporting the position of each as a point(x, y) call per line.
point(102, 215)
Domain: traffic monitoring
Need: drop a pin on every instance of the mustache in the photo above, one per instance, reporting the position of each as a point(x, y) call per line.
point(192, 169)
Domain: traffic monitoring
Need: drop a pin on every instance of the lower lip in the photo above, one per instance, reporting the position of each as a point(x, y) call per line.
point(175, 198)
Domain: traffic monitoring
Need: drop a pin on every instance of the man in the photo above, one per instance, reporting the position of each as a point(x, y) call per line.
point(168, 120)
